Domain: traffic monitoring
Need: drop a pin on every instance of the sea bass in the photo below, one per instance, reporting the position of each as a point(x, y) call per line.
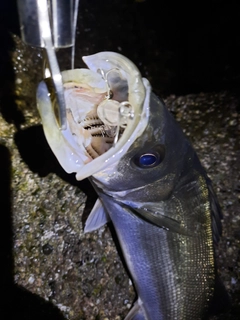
point(150, 183)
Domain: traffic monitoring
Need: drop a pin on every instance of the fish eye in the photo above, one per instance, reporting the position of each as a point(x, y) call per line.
point(149, 159)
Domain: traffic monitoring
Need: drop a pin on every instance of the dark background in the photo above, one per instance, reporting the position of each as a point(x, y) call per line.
point(182, 47)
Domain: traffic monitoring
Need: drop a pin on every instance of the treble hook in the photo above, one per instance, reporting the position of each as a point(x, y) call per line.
point(123, 114)
point(119, 112)
point(104, 75)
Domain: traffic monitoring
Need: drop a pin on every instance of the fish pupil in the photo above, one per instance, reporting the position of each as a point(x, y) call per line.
point(147, 159)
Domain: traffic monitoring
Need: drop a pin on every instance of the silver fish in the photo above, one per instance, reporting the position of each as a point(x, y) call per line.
point(150, 183)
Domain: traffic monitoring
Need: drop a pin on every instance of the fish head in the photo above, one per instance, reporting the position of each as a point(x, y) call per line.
point(153, 165)
point(118, 132)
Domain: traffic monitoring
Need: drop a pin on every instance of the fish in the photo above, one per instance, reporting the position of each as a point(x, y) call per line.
point(149, 180)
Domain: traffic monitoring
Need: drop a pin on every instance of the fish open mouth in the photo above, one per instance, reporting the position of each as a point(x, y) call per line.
point(97, 116)
point(107, 108)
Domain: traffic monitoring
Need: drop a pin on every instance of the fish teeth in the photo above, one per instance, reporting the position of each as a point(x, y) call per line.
point(91, 122)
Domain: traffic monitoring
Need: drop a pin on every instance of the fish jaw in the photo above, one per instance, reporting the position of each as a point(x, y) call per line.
point(111, 60)
point(62, 146)
point(85, 94)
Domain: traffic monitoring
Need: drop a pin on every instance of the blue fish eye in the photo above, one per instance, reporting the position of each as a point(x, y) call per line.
point(147, 160)
point(151, 158)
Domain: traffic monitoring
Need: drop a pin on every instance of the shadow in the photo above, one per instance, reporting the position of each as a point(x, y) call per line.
point(8, 24)
point(36, 153)
point(17, 302)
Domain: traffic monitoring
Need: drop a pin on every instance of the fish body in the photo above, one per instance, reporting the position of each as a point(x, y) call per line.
point(150, 183)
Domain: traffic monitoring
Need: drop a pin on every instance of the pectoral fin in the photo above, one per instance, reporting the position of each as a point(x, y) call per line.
point(136, 313)
point(161, 220)
point(97, 218)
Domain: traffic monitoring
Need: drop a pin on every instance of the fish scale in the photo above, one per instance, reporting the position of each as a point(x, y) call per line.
point(153, 188)
point(183, 266)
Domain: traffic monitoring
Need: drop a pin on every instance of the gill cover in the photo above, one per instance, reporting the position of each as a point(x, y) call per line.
point(97, 134)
